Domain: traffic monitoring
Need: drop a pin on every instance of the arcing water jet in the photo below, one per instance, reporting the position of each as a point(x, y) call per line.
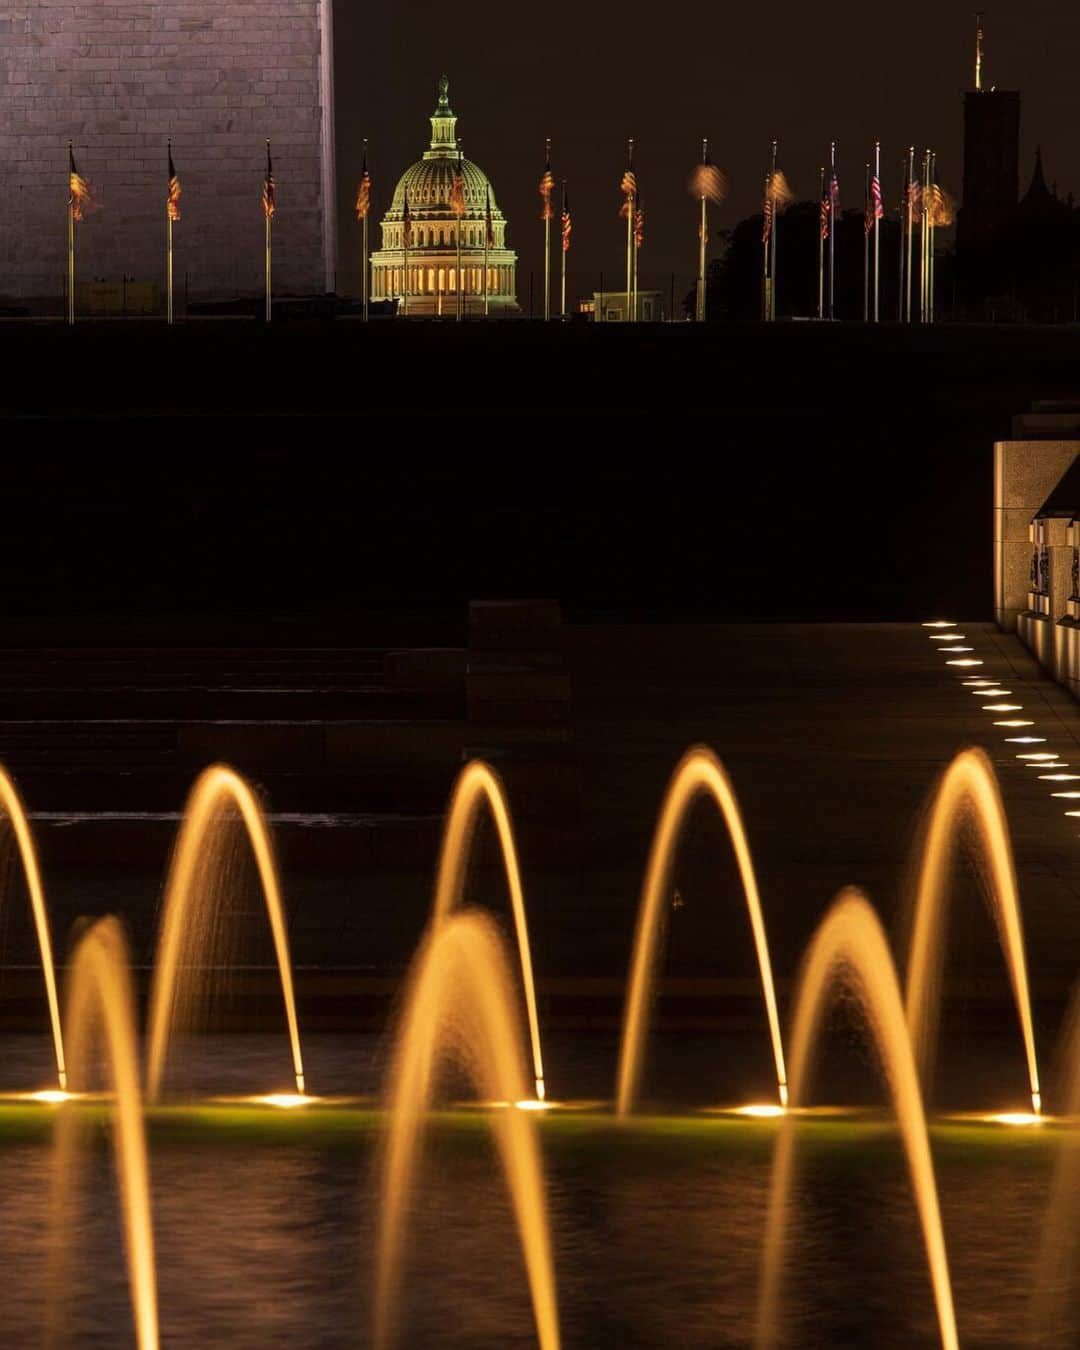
point(195, 893)
point(11, 805)
point(968, 793)
point(850, 949)
point(100, 1002)
point(698, 772)
point(460, 1001)
point(477, 784)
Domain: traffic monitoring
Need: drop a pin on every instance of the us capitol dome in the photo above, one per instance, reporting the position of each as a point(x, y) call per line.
point(431, 257)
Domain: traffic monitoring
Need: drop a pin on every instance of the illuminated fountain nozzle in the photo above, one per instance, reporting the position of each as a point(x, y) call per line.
point(540, 1089)
point(783, 1095)
point(284, 1100)
point(1036, 1102)
point(301, 1091)
point(762, 1110)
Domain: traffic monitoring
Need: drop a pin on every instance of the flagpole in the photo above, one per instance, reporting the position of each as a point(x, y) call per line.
point(634, 213)
point(765, 254)
point(900, 248)
point(866, 253)
point(71, 240)
point(910, 241)
point(487, 238)
point(702, 231)
point(821, 254)
point(562, 228)
point(924, 239)
point(877, 236)
point(832, 232)
point(932, 230)
point(364, 249)
point(169, 246)
point(773, 241)
point(269, 241)
point(405, 228)
point(547, 244)
point(629, 229)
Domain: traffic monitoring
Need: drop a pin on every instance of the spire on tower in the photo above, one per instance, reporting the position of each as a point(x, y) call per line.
point(978, 51)
point(443, 121)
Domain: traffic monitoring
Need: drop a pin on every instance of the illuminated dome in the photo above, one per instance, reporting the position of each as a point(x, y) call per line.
point(432, 254)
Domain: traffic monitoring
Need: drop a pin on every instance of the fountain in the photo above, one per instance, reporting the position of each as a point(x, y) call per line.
point(196, 897)
point(850, 949)
point(12, 807)
point(698, 772)
point(460, 1002)
point(477, 784)
point(968, 793)
point(100, 1004)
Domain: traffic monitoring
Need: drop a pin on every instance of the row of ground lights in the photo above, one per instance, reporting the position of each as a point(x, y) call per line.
point(960, 656)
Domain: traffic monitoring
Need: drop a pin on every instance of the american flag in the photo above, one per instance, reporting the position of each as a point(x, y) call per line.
point(406, 225)
point(489, 227)
point(269, 191)
point(914, 198)
point(825, 213)
point(628, 187)
point(172, 199)
point(768, 212)
point(363, 192)
point(457, 190)
point(547, 187)
point(639, 225)
point(80, 196)
point(567, 223)
point(875, 206)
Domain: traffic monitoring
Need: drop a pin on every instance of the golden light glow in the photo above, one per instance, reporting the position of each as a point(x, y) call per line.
point(1058, 777)
point(964, 661)
point(992, 693)
point(947, 637)
point(1048, 764)
point(1003, 707)
point(1015, 722)
point(760, 1110)
point(941, 623)
point(1036, 754)
point(1069, 795)
point(287, 1101)
point(1014, 1118)
point(979, 684)
point(50, 1096)
point(954, 650)
point(1025, 740)
point(532, 1104)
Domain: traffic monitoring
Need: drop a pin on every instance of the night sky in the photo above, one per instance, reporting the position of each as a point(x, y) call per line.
point(590, 75)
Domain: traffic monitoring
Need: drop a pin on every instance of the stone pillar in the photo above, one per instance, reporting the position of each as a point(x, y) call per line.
point(1025, 473)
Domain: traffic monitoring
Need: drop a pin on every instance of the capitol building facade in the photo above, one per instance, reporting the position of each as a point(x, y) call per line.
point(421, 272)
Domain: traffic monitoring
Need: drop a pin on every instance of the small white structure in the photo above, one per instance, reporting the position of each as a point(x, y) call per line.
point(611, 307)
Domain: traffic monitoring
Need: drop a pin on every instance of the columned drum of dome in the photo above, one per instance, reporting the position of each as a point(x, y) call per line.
point(431, 259)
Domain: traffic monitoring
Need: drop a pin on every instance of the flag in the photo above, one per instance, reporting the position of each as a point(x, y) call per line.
point(269, 191)
point(834, 193)
point(172, 200)
point(708, 181)
point(939, 206)
point(628, 187)
point(875, 207)
point(826, 212)
point(767, 212)
point(567, 223)
point(363, 192)
point(406, 225)
point(639, 226)
point(914, 197)
point(547, 186)
point(457, 190)
point(80, 197)
point(489, 227)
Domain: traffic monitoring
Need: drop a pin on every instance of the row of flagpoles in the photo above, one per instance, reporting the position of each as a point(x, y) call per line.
point(82, 201)
point(924, 204)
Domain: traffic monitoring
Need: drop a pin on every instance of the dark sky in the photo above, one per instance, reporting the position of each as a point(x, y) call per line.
point(670, 71)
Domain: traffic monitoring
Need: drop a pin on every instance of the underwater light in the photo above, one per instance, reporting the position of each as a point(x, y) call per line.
point(760, 1110)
